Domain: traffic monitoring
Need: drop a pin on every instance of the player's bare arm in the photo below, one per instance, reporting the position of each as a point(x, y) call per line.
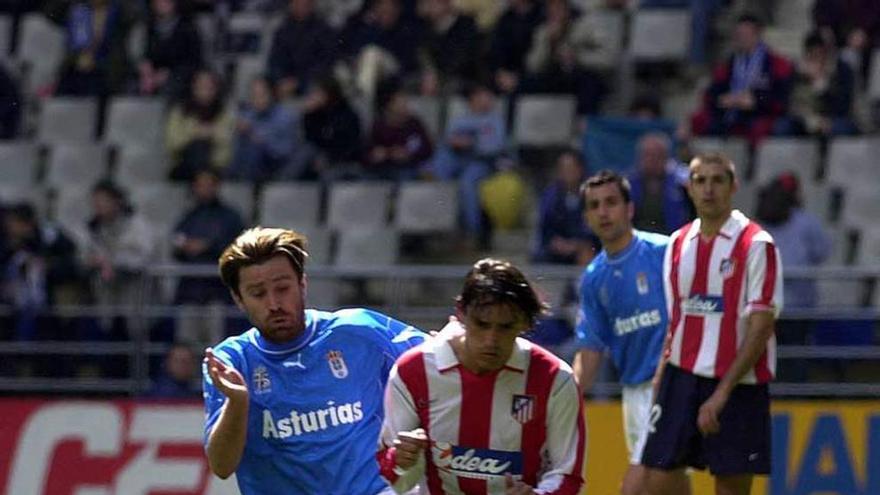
point(409, 446)
point(227, 438)
point(516, 487)
point(586, 367)
point(760, 329)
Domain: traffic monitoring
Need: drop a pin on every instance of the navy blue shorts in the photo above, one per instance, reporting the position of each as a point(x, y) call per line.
point(674, 441)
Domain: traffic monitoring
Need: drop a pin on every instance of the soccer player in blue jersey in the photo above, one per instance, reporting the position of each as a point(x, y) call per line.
point(294, 405)
point(623, 310)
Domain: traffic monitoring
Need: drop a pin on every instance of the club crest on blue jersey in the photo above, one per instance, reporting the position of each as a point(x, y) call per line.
point(727, 267)
point(523, 408)
point(260, 378)
point(337, 364)
point(642, 283)
point(482, 464)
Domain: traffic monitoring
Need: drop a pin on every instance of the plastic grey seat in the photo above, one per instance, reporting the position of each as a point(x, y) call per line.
point(367, 247)
point(68, 120)
point(73, 206)
point(82, 164)
point(853, 161)
point(874, 77)
point(319, 245)
point(868, 252)
point(290, 204)
point(777, 155)
point(427, 207)
point(746, 198)
point(161, 204)
point(5, 35)
point(138, 165)
point(737, 149)
point(137, 121)
point(837, 293)
point(41, 47)
point(358, 204)
point(541, 120)
point(428, 110)
point(861, 207)
point(247, 68)
point(660, 34)
point(18, 163)
point(239, 196)
point(34, 195)
point(817, 198)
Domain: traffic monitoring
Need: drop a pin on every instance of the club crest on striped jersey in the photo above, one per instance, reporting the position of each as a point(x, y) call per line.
point(261, 381)
point(642, 283)
point(522, 408)
point(728, 265)
point(337, 364)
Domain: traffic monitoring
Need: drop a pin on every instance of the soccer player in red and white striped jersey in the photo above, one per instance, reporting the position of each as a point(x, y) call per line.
point(481, 410)
point(723, 282)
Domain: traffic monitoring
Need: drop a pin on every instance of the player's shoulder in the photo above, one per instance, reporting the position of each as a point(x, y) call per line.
point(595, 268)
point(233, 349)
point(652, 239)
point(354, 320)
point(541, 356)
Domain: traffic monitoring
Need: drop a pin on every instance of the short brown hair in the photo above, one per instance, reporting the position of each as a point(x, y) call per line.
point(717, 158)
point(258, 245)
point(603, 177)
point(493, 281)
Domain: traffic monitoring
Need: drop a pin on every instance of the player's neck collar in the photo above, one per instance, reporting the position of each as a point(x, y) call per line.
point(287, 347)
point(625, 252)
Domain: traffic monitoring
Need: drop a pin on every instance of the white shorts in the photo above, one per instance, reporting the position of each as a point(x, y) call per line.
point(636, 418)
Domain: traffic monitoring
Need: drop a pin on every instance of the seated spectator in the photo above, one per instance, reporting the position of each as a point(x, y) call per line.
point(563, 236)
point(38, 268)
point(199, 238)
point(474, 142)
point(853, 26)
point(302, 48)
point(749, 91)
point(398, 143)
point(96, 62)
point(179, 377)
point(199, 130)
point(658, 187)
point(511, 41)
point(119, 245)
point(266, 137)
point(571, 54)
point(173, 51)
point(11, 105)
point(331, 127)
point(702, 14)
point(449, 47)
point(822, 98)
point(484, 12)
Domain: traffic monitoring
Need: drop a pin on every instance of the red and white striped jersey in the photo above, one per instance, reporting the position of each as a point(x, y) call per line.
point(525, 420)
point(712, 286)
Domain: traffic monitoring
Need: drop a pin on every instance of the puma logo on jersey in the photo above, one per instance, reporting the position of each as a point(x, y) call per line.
point(298, 423)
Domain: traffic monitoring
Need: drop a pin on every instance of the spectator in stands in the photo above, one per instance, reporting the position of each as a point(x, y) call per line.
point(571, 54)
point(658, 187)
point(96, 61)
point(11, 105)
point(199, 238)
point(38, 267)
point(822, 98)
point(199, 130)
point(563, 236)
point(853, 25)
point(484, 12)
point(119, 245)
point(302, 48)
point(179, 378)
point(266, 138)
point(398, 144)
point(173, 51)
point(331, 127)
point(474, 142)
point(511, 41)
point(749, 91)
point(449, 47)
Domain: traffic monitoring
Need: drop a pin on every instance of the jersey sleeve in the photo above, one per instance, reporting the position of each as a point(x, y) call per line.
point(214, 399)
point(592, 322)
point(400, 415)
point(566, 439)
point(764, 278)
point(392, 337)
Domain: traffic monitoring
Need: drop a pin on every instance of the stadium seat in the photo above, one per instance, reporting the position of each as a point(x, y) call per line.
point(746, 198)
point(17, 193)
point(68, 120)
point(248, 32)
point(426, 207)
point(323, 293)
point(457, 107)
point(141, 165)
point(542, 120)
point(838, 293)
point(247, 68)
point(18, 163)
point(817, 198)
point(868, 252)
point(161, 204)
point(73, 206)
point(367, 247)
point(134, 120)
point(841, 245)
point(861, 207)
point(853, 161)
point(737, 149)
point(660, 35)
point(358, 204)
point(239, 196)
point(71, 164)
point(777, 155)
point(319, 247)
point(291, 205)
point(5, 36)
point(427, 109)
point(206, 24)
point(874, 77)
point(40, 48)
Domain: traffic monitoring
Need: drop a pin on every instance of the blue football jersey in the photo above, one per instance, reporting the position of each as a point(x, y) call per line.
point(315, 403)
point(623, 306)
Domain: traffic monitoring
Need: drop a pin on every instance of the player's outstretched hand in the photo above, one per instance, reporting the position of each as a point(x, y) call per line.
point(516, 487)
point(226, 378)
point(409, 445)
point(707, 420)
